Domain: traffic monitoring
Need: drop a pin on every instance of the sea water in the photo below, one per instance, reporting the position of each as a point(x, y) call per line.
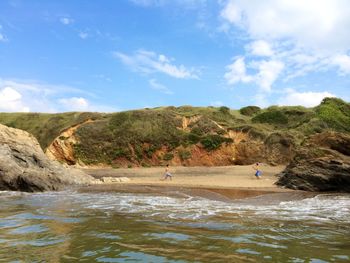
point(119, 227)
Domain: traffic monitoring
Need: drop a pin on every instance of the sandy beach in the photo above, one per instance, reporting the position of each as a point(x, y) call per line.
point(226, 176)
point(220, 183)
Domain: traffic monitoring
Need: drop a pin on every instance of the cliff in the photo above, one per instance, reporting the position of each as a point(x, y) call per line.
point(25, 167)
point(191, 136)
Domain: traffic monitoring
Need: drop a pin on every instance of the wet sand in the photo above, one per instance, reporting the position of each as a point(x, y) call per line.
point(218, 183)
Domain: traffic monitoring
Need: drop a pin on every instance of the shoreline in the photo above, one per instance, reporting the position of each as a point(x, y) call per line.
point(224, 183)
point(213, 193)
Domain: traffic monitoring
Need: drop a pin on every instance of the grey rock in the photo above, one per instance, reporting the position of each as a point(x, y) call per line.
point(322, 164)
point(25, 167)
point(110, 180)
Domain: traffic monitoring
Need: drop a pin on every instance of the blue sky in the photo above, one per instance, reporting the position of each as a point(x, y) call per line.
point(116, 55)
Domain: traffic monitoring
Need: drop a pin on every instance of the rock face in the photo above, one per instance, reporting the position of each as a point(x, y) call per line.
point(110, 180)
point(61, 149)
point(246, 148)
point(322, 164)
point(24, 166)
point(275, 149)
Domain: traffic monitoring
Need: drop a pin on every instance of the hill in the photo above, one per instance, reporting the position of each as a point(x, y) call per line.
point(181, 135)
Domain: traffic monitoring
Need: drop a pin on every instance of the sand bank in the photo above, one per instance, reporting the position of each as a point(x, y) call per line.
point(226, 176)
point(219, 183)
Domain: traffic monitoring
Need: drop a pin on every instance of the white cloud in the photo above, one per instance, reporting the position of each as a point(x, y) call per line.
point(298, 37)
point(315, 24)
point(269, 71)
point(75, 103)
point(157, 86)
point(148, 62)
point(83, 35)
point(261, 100)
point(343, 62)
point(66, 20)
point(266, 73)
point(307, 99)
point(260, 48)
point(11, 100)
point(23, 95)
point(236, 72)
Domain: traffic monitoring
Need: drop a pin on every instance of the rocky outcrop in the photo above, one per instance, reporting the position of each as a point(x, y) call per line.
point(321, 164)
point(276, 148)
point(24, 166)
point(62, 148)
point(111, 180)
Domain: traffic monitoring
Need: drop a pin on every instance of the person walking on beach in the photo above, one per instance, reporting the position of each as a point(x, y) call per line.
point(167, 173)
point(257, 169)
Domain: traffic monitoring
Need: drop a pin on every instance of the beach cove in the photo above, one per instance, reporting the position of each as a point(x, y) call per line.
point(148, 220)
point(225, 183)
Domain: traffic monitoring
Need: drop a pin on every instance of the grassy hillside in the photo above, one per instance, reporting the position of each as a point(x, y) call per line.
point(135, 136)
point(46, 127)
point(138, 134)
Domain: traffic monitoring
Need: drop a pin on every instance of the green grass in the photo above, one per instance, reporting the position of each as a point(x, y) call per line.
point(184, 154)
point(335, 113)
point(284, 117)
point(213, 142)
point(249, 110)
point(46, 127)
point(135, 136)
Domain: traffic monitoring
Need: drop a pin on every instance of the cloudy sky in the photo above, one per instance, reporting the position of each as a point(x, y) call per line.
point(116, 55)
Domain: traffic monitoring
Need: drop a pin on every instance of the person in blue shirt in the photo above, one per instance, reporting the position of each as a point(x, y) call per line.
point(257, 169)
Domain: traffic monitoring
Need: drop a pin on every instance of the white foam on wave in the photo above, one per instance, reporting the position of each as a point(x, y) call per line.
point(4, 194)
point(320, 208)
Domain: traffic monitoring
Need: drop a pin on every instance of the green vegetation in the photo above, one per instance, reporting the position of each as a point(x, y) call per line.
point(46, 127)
point(284, 117)
point(136, 135)
point(204, 126)
point(335, 113)
point(250, 110)
point(168, 156)
point(184, 154)
point(212, 142)
point(271, 117)
point(141, 137)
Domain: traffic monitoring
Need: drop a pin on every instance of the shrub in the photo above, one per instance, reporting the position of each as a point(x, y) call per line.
point(224, 110)
point(150, 151)
point(143, 164)
point(335, 113)
point(212, 142)
point(253, 132)
point(184, 154)
point(168, 156)
point(193, 138)
point(204, 126)
point(138, 152)
point(121, 152)
point(271, 117)
point(250, 110)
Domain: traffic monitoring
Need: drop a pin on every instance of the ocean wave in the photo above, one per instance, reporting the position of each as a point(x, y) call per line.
point(321, 208)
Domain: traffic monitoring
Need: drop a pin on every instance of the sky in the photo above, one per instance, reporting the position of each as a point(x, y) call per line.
point(106, 56)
